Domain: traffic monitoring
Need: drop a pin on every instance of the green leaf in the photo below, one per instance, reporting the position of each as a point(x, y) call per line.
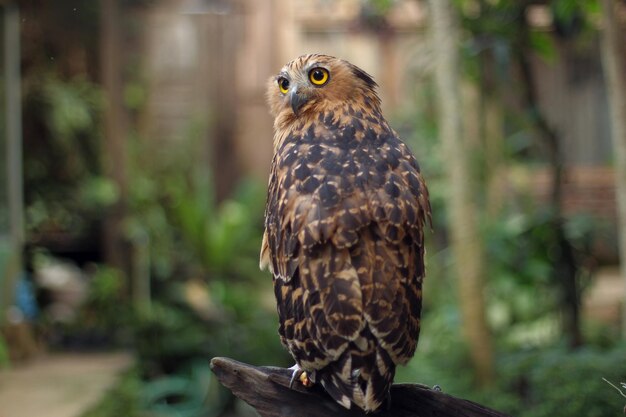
point(542, 44)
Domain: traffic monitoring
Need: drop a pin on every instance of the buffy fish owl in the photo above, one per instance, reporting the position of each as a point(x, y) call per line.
point(344, 231)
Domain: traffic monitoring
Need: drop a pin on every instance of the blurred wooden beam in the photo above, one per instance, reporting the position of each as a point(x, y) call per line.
point(114, 148)
point(13, 106)
point(614, 65)
point(267, 390)
point(222, 43)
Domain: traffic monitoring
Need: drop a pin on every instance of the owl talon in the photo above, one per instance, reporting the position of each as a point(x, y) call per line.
point(301, 376)
point(297, 372)
point(305, 380)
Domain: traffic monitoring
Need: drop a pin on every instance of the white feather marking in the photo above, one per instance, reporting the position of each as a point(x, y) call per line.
point(345, 401)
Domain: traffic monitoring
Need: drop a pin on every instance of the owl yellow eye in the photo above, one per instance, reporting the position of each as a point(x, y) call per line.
point(283, 85)
point(318, 76)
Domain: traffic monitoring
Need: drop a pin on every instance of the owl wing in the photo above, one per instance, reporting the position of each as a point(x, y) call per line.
point(317, 288)
point(398, 205)
point(344, 241)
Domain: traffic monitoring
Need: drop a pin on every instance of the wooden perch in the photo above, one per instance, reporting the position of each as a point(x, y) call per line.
point(267, 389)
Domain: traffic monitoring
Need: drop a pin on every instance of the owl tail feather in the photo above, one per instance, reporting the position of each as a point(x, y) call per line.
point(360, 378)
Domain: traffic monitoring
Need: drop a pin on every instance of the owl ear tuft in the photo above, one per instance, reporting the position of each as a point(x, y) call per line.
point(367, 79)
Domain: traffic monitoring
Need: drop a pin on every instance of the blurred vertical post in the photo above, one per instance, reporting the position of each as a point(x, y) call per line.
point(466, 244)
point(220, 30)
point(223, 45)
point(13, 135)
point(116, 248)
point(613, 49)
point(14, 119)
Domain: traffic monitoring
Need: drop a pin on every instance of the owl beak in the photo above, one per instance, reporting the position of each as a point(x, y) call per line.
point(297, 100)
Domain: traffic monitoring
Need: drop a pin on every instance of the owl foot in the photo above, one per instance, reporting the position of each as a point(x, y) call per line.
point(301, 375)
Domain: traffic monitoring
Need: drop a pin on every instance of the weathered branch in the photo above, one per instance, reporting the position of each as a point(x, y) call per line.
point(267, 390)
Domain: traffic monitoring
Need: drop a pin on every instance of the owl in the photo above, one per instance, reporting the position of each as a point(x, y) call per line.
point(344, 231)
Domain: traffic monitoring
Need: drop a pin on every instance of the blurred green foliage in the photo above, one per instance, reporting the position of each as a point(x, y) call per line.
point(225, 237)
point(558, 381)
point(533, 382)
point(64, 189)
point(122, 400)
point(209, 297)
point(102, 312)
point(195, 393)
point(524, 297)
point(536, 374)
point(72, 108)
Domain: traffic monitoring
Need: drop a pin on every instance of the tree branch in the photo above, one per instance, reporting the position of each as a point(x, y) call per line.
point(267, 390)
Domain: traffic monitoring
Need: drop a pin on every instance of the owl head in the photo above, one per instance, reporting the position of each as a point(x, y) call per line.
point(313, 83)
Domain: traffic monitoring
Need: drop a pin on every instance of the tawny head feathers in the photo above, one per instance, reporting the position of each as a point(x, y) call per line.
point(314, 83)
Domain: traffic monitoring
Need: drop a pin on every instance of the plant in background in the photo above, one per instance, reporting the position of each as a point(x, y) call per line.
point(623, 384)
point(65, 192)
point(524, 290)
point(124, 399)
point(208, 295)
point(195, 392)
point(225, 237)
point(103, 312)
point(524, 297)
point(211, 302)
point(548, 381)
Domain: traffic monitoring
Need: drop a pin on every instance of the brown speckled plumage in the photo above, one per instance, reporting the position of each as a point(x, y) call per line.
point(343, 234)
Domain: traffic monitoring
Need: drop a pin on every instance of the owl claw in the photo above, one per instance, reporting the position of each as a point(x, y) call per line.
point(301, 376)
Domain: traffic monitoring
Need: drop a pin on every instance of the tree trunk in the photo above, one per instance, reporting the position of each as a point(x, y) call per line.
point(494, 156)
point(613, 50)
point(493, 131)
point(466, 244)
point(564, 264)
